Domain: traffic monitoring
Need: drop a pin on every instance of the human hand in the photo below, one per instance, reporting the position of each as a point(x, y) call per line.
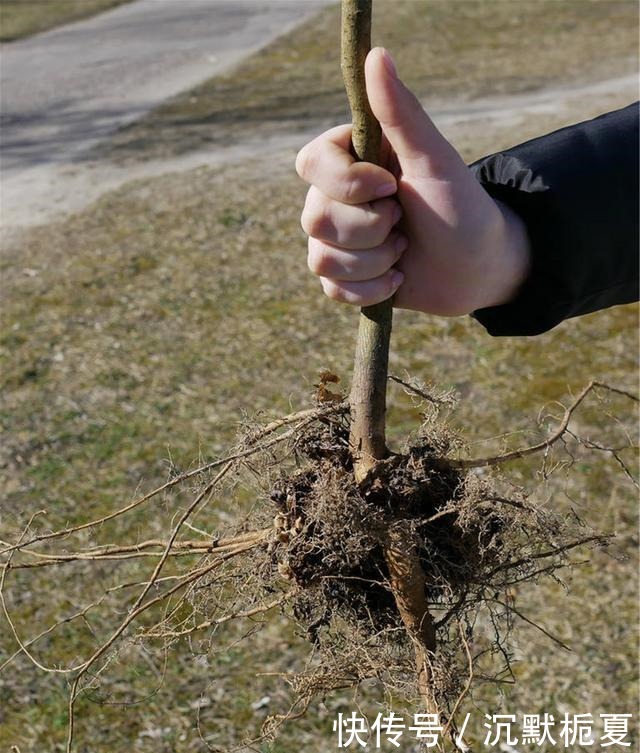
point(420, 226)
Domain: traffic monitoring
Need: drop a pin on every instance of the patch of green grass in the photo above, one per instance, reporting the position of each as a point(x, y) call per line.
point(21, 18)
point(446, 52)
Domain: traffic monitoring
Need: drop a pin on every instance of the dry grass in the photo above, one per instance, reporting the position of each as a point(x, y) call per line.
point(21, 18)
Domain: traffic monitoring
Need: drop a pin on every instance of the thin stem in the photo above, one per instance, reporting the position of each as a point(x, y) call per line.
point(369, 384)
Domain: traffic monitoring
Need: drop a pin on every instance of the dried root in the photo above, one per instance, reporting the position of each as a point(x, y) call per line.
point(405, 578)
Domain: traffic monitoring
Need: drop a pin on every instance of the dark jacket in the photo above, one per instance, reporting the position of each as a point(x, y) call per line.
point(577, 191)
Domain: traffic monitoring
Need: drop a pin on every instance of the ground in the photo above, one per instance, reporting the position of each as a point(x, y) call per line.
point(65, 90)
point(21, 18)
point(138, 331)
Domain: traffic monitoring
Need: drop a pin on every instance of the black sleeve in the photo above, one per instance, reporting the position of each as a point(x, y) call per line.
point(577, 192)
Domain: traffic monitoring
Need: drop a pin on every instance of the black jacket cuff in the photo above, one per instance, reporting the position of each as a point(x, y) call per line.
point(576, 191)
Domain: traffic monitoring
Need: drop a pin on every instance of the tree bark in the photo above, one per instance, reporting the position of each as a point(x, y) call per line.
point(369, 383)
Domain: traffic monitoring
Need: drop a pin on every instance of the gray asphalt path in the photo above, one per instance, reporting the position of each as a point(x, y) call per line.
point(66, 89)
point(63, 90)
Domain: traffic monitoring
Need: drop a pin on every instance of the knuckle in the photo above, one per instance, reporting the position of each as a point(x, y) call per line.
point(312, 262)
point(304, 221)
point(312, 221)
point(334, 291)
point(306, 162)
point(301, 160)
point(316, 220)
point(319, 261)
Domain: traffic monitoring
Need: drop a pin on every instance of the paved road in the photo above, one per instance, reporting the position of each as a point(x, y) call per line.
point(63, 90)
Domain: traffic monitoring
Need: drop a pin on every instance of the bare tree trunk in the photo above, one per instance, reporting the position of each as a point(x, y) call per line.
point(369, 384)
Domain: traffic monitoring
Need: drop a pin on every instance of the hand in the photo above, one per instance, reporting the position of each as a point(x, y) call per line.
point(421, 227)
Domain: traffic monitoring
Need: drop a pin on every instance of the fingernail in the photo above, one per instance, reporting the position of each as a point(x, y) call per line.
point(401, 243)
point(397, 213)
point(397, 279)
point(386, 189)
point(389, 64)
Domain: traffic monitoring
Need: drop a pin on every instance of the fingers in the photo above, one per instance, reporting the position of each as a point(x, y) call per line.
point(327, 163)
point(349, 218)
point(342, 265)
point(362, 277)
point(348, 226)
point(364, 293)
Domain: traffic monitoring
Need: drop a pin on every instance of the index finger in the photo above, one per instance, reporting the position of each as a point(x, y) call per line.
point(327, 163)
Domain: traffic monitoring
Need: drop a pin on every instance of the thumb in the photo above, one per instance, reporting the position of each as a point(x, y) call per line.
point(421, 149)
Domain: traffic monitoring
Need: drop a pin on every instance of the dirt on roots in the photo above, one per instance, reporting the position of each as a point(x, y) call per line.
point(477, 536)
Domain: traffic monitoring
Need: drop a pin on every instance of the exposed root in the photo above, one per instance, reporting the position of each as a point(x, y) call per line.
point(404, 578)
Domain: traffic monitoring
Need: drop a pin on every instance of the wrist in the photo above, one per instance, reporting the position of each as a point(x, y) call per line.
point(512, 257)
